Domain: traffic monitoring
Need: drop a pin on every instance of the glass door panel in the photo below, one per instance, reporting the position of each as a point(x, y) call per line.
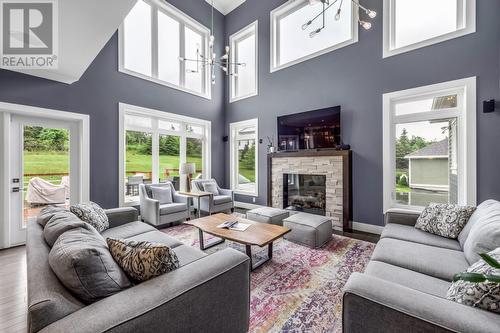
point(194, 154)
point(170, 146)
point(138, 163)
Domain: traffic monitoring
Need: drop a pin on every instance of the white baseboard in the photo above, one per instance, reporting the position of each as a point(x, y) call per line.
point(358, 226)
point(245, 205)
point(365, 227)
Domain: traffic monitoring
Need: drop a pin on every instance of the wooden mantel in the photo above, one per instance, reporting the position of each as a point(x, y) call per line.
point(346, 157)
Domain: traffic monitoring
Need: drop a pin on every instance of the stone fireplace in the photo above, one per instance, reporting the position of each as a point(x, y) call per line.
point(315, 182)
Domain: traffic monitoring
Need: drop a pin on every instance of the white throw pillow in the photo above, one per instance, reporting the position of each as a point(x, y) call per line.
point(211, 187)
point(162, 194)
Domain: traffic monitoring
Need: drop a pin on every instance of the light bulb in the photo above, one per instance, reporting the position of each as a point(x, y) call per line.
point(314, 33)
point(243, 64)
point(227, 48)
point(181, 59)
point(212, 38)
point(365, 25)
point(371, 13)
point(337, 16)
point(306, 25)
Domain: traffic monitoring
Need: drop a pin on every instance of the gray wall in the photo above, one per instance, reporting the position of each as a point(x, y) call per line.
point(355, 77)
point(100, 90)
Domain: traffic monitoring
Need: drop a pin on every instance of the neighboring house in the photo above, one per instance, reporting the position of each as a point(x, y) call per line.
point(429, 167)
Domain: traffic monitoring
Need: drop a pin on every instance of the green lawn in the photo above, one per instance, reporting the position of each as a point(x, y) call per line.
point(402, 188)
point(46, 162)
point(143, 164)
point(248, 173)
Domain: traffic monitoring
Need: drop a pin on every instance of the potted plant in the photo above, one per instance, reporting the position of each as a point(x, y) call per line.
point(270, 145)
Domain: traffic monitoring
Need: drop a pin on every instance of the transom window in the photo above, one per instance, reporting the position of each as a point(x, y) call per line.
point(287, 33)
point(410, 24)
point(154, 36)
point(153, 144)
point(243, 82)
point(429, 145)
point(244, 157)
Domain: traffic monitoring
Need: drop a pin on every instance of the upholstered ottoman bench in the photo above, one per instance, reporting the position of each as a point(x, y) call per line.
point(308, 229)
point(268, 215)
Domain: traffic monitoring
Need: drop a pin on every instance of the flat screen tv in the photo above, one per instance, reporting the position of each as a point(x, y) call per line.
point(318, 129)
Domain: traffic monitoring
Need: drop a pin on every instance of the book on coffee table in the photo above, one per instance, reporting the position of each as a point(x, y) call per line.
point(234, 225)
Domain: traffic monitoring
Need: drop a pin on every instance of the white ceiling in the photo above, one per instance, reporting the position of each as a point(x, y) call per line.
point(226, 6)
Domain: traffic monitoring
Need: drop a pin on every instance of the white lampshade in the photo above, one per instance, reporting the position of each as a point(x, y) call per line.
point(187, 168)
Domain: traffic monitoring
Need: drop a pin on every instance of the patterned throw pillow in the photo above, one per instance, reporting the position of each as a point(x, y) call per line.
point(211, 187)
point(142, 260)
point(445, 220)
point(91, 213)
point(484, 295)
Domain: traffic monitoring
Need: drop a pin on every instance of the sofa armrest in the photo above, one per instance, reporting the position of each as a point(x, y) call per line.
point(123, 215)
point(371, 304)
point(399, 216)
point(223, 191)
point(150, 210)
point(211, 294)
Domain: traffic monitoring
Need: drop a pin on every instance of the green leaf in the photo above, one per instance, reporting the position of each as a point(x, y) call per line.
point(469, 277)
point(493, 278)
point(490, 260)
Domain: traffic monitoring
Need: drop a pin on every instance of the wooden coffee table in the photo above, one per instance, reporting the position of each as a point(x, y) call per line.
point(259, 234)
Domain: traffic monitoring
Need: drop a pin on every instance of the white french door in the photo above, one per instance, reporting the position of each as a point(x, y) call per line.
point(45, 162)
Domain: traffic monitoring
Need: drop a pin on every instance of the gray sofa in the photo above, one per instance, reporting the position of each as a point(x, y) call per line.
point(214, 204)
point(154, 213)
point(403, 288)
point(208, 293)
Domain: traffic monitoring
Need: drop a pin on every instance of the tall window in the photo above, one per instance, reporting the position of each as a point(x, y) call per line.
point(244, 157)
point(154, 36)
point(244, 44)
point(154, 144)
point(410, 24)
point(429, 145)
point(287, 33)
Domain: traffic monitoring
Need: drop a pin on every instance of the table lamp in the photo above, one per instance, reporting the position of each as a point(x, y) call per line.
point(188, 169)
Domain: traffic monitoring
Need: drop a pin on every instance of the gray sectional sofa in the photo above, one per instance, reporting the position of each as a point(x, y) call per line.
point(403, 288)
point(208, 293)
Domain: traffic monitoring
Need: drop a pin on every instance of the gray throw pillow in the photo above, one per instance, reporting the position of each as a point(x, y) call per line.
point(446, 220)
point(82, 262)
point(59, 224)
point(484, 235)
point(46, 214)
point(211, 187)
point(143, 260)
point(162, 194)
point(484, 295)
point(91, 213)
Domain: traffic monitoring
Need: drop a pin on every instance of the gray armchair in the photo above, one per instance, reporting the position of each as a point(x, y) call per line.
point(154, 213)
point(215, 203)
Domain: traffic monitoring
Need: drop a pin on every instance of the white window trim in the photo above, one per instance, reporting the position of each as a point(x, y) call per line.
point(233, 155)
point(469, 26)
point(183, 19)
point(128, 109)
point(466, 131)
point(252, 28)
point(292, 5)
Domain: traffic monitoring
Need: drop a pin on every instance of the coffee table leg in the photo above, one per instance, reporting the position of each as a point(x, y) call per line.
point(199, 211)
point(261, 262)
point(212, 244)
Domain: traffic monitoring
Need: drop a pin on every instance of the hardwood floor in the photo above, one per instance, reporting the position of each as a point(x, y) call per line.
point(13, 293)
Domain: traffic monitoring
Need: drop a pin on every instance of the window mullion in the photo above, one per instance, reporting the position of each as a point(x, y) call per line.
point(182, 48)
point(154, 42)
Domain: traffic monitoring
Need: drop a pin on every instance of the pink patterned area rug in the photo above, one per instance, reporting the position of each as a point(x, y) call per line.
point(300, 290)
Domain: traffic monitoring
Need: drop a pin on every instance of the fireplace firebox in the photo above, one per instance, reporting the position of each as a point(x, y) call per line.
point(305, 193)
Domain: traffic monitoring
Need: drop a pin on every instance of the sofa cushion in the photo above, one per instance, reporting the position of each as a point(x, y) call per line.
point(157, 237)
point(81, 260)
point(46, 214)
point(484, 234)
point(445, 220)
point(143, 260)
point(211, 187)
point(222, 199)
point(480, 214)
point(127, 230)
point(61, 222)
point(430, 260)
point(187, 254)
point(91, 213)
point(408, 278)
point(409, 233)
point(172, 208)
point(162, 194)
point(484, 295)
